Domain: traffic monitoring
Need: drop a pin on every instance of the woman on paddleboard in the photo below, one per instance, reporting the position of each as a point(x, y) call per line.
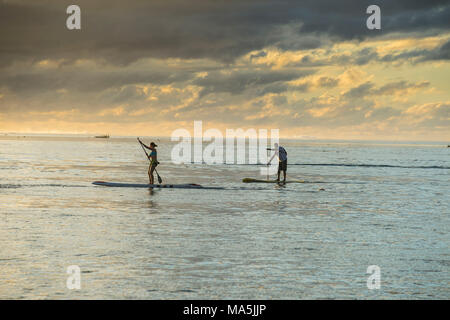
point(153, 157)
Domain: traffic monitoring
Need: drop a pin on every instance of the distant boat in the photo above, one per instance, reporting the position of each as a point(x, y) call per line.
point(103, 137)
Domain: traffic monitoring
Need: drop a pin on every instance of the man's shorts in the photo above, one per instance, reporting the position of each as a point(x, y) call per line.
point(282, 166)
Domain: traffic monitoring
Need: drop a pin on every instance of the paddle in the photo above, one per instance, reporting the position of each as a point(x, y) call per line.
point(159, 178)
point(268, 155)
point(148, 157)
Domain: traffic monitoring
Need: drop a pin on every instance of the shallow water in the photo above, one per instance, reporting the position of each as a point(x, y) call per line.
point(383, 204)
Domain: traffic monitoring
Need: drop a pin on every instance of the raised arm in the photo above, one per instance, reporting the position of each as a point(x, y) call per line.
point(143, 144)
point(275, 154)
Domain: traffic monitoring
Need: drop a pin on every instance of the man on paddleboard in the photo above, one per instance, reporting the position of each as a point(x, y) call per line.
point(281, 154)
point(153, 160)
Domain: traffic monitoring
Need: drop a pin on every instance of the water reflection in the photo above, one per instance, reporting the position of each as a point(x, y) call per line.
point(248, 241)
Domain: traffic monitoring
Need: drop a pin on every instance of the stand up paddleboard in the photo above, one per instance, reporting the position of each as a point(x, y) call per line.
point(162, 186)
point(251, 180)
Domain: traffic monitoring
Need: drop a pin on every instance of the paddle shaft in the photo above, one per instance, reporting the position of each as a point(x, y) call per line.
point(268, 155)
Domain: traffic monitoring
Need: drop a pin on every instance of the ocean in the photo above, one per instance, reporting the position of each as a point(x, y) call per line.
point(383, 204)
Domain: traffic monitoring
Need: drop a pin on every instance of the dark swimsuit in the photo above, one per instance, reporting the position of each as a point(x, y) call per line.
point(153, 162)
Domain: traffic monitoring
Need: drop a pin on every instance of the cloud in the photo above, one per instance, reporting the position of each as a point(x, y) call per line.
point(392, 88)
point(298, 65)
point(442, 53)
point(121, 33)
point(236, 82)
point(429, 115)
point(359, 91)
point(327, 82)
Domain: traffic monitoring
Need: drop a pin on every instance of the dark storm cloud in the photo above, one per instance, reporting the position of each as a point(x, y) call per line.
point(25, 83)
point(240, 81)
point(121, 32)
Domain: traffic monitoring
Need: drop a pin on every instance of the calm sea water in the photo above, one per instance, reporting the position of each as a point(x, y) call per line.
point(383, 204)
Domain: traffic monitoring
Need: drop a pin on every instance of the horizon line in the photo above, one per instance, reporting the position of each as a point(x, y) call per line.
point(306, 138)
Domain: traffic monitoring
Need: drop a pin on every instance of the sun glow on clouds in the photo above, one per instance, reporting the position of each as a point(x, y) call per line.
point(304, 78)
point(429, 109)
point(320, 112)
point(117, 111)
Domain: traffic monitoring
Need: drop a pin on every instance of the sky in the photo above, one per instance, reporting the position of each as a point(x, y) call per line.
point(311, 69)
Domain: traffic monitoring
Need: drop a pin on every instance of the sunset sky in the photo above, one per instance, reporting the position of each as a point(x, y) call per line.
point(309, 68)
